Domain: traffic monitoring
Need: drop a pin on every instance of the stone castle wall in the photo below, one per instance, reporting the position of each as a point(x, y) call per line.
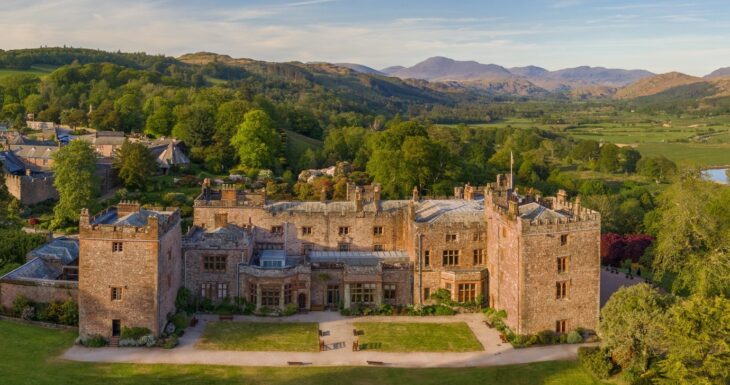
point(30, 190)
point(37, 291)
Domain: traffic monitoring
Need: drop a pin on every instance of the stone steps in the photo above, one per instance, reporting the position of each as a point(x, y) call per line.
point(114, 342)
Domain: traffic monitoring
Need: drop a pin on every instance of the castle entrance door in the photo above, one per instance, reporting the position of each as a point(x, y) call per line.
point(116, 328)
point(333, 295)
point(302, 301)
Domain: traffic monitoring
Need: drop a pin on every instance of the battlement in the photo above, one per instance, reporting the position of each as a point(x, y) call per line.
point(128, 220)
point(228, 195)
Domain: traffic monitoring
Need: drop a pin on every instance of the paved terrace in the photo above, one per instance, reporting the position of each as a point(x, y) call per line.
point(338, 338)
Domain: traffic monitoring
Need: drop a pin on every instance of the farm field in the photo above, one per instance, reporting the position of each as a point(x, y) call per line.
point(29, 356)
point(692, 141)
point(34, 70)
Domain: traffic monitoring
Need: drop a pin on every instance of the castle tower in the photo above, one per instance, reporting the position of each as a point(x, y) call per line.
point(129, 269)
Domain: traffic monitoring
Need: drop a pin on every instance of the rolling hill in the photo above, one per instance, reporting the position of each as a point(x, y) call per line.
point(655, 85)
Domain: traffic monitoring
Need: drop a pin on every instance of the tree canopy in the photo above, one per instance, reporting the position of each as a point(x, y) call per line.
point(74, 166)
point(134, 164)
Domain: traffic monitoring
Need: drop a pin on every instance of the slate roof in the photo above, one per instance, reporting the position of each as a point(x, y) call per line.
point(533, 211)
point(434, 210)
point(137, 219)
point(167, 153)
point(46, 261)
point(333, 206)
point(109, 138)
point(11, 163)
point(33, 151)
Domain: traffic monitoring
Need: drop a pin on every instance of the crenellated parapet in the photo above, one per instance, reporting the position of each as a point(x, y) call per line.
point(128, 220)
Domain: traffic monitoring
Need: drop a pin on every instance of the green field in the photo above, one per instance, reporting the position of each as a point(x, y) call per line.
point(29, 355)
point(695, 141)
point(34, 70)
point(259, 336)
point(417, 337)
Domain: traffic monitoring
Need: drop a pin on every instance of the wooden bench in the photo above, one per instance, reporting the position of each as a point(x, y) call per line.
point(316, 307)
point(376, 363)
point(228, 317)
point(296, 363)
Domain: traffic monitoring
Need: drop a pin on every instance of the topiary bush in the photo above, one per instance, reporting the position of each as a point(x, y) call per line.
point(574, 338)
point(596, 361)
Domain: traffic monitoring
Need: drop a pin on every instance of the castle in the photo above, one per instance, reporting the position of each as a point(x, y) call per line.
point(535, 257)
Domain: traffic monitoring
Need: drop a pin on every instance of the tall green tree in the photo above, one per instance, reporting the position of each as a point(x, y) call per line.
point(693, 236)
point(73, 168)
point(698, 342)
point(631, 325)
point(134, 164)
point(257, 141)
point(608, 161)
point(195, 124)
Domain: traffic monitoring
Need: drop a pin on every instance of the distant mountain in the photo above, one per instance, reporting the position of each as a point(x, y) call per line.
point(440, 68)
point(719, 73)
point(529, 71)
point(656, 84)
point(391, 69)
point(506, 87)
point(599, 75)
point(361, 68)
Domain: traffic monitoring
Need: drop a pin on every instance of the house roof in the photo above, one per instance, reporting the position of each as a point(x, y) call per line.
point(33, 151)
point(534, 211)
point(47, 261)
point(11, 163)
point(434, 210)
point(137, 219)
point(109, 138)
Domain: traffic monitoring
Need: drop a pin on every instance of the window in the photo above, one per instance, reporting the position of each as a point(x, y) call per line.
point(343, 230)
point(287, 294)
point(343, 246)
point(307, 247)
point(563, 239)
point(206, 290)
point(426, 293)
point(467, 292)
point(504, 232)
point(169, 255)
point(389, 292)
point(362, 293)
point(451, 237)
point(307, 230)
point(169, 280)
point(222, 290)
point(378, 248)
point(427, 257)
point(451, 257)
point(378, 230)
point(562, 264)
point(270, 296)
point(117, 247)
point(478, 257)
point(561, 290)
point(270, 246)
point(561, 326)
point(252, 293)
point(214, 263)
point(478, 236)
point(116, 293)
point(277, 230)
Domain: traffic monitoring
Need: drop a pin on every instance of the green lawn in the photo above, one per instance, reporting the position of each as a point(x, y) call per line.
point(418, 337)
point(259, 336)
point(29, 356)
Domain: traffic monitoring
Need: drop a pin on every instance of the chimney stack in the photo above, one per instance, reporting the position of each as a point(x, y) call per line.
point(576, 207)
point(358, 198)
point(513, 209)
point(458, 192)
point(127, 207)
point(562, 198)
point(323, 195)
point(376, 193)
point(415, 197)
point(468, 192)
point(228, 193)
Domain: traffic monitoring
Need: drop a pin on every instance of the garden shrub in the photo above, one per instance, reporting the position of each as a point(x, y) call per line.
point(547, 337)
point(522, 340)
point(444, 310)
point(596, 360)
point(94, 341)
point(134, 333)
point(182, 300)
point(20, 303)
point(290, 309)
point(68, 314)
point(180, 320)
point(170, 342)
point(574, 338)
point(563, 338)
point(28, 313)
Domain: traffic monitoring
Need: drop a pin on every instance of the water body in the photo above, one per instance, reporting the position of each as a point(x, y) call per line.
point(718, 175)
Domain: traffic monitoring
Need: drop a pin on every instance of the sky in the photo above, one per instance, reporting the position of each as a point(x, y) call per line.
point(661, 36)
